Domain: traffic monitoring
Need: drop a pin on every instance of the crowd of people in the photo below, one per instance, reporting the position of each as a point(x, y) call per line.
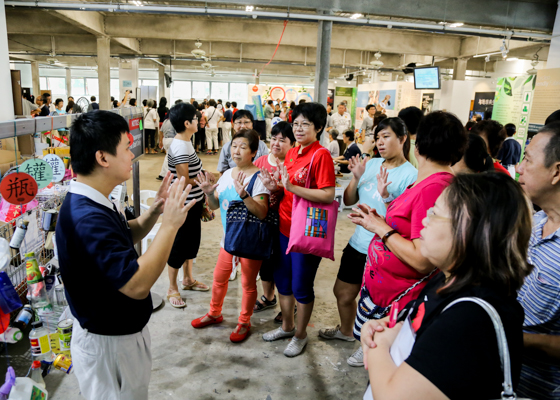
point(439, 219)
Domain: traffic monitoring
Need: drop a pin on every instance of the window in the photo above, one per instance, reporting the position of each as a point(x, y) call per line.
point(180, 90)
point(115, 89)
point(78, 87)
point(200, 90)
point(238, 93)
point(43, 83)
point(92, 87)
point(220, 91)
point(149, 82)
point(57, 85)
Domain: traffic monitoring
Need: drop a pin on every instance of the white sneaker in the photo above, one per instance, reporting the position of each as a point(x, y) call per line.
point(295, 347)
point(356, 359)
point(278, 333)
point(334, 333)
point(236, 267)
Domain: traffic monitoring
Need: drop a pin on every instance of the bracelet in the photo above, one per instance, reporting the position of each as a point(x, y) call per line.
point(388, 199)
point(386, 236)
point(244, 197)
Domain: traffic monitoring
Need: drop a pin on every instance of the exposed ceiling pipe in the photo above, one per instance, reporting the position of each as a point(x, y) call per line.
point(146, 8)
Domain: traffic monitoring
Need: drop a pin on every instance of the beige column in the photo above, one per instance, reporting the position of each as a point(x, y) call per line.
point(104, 72)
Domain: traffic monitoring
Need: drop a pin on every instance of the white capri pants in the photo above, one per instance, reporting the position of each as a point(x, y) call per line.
point(165, 166)
point(226, 132)
point(212, 136)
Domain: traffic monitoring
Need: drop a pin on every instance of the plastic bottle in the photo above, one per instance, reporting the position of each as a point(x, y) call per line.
point(19, 234)
point(37, 373)
point(37, 292)
point(25, 387)
point(23, 318)
point(11, 335)
point(40, 342)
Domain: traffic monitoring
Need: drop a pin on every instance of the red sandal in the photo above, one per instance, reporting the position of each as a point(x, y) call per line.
point(197, 323)
point(235, 337)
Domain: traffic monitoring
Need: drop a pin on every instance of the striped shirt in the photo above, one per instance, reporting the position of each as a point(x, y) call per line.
point(540, 298)
point(182, 152)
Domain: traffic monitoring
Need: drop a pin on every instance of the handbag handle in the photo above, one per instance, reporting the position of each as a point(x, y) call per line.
point(508, 392)
point(252, 183)
point(308, 179)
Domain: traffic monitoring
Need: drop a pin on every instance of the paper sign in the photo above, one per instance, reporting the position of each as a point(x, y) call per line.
point(18, 188)
point(40, 170)
point(57, 166)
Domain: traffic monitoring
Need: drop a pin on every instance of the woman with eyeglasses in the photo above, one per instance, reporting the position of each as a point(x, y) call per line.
point(183, 162)
point(477, 234)
point(295, 276)
point(396, 270)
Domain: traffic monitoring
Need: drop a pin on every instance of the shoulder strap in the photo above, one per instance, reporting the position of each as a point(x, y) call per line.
point(508, 392)
point(252, 183)
point(308, 180)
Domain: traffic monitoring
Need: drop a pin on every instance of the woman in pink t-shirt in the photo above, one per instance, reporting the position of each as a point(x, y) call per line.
point(396, 270)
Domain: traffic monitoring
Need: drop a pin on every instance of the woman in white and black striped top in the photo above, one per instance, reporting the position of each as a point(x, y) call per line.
point(183, 162)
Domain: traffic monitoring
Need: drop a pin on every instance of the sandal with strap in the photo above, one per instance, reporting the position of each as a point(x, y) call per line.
point(237, 337)
point(266, 304)
point(197, 323)
point(195, 286)
point(176, 295)
point(278, 318)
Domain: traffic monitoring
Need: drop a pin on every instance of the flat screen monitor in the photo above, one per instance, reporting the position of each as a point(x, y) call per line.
point(427, 78)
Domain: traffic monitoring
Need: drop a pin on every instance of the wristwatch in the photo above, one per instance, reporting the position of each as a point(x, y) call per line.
point(388, 199)
point(244, 197)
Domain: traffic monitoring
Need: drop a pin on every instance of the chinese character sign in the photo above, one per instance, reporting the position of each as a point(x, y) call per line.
point(18, 188)
point(39, 170)
point(57, 166)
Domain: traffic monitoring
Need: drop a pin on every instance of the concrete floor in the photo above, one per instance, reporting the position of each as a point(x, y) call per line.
point(204, 364)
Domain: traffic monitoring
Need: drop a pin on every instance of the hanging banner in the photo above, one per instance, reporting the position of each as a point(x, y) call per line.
point(18, 188)
point(39, 170)
point(57, 166)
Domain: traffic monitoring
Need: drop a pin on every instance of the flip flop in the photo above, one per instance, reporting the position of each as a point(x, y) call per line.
point(176, 295)
point(193, 286)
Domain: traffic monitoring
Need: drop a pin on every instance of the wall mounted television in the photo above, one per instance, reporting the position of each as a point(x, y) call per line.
point(427, 78)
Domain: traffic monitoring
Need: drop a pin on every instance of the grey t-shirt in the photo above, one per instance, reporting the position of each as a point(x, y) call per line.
point(168, 130)
point(268, 112)
point(226, 162)
point(367, 125)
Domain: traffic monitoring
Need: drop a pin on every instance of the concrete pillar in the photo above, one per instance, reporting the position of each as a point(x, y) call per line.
point(459, 69)
point(128, 80)
point(322, 64)
point(359, 80)
point(161, 81)
point(104, 72)
point(69, 82)
point(553, 60)
point(35, 78)
point(7, 109)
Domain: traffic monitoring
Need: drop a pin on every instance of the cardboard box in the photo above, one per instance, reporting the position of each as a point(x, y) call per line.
point(25, 144)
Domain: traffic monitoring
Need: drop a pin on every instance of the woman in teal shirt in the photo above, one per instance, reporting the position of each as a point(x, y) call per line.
point(393, 143)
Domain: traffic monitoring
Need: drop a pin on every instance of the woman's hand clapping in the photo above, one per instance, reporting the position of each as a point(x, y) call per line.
point(357, 166)
point(239, 185)
point(205, 182)
point(382, 183)
point(369, 219)
point(268, 180)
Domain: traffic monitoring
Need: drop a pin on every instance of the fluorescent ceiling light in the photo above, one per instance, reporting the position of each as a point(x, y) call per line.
point(456, 25)
point(137, 3)
point(334, 81)
point(356, 16)
point(512, 59)
point(249, 8)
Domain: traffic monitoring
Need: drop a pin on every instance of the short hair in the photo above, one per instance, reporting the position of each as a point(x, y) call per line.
point(115, 103)
point(476, 155)
point(469, 125)
point(349, 134)
point(252, 137)
point(194, 103)
point(554, 117)
point(441, 138)
point(314, 112)
point(144, 102)
point(270, 102)
point(292, 105)
point(333, 133)
point(491, 227)
point(243, 113)
point(180, 101)
point(112, 98)
point(369, 106)
point(180, 113)
point(398, 126)
point(92, 132)
point(302, 101)
point(70, 97)
point(220, 101)
point(510, 129)
point(58, 101)
point(494, 132)
point(378, 117)
point(285, 129)
point(132, 102)
point(552, 149)
point(45, 96)
point(150, 103)
point(411, 117)
point(93, 98)
point(234, 104)
point(228, 104)
point(212, 103)
point(341, 104)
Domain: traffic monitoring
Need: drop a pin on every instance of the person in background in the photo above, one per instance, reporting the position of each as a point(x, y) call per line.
point(393, 142)
point(282, 139)
point(116, 104)
point(45, 109)
point(284, 111)
point(232, 187)
point(242, 119)
point(213, 116)
point(132, 103)
point(494, 135)
point(469, 125)
point(226, 128)
point(162, 112)
point(291, 111)
point(220, 108)
point(183, 162)
point(411, 117)
point(93, 105)
point(397, 270)
point(367, 130)
point(476, 158)
point(39, 104)
point(333, 146)
point(446, 356)
point(295, 276)
point(200, 136)
point(111, 354)
point(145, 106)
point(352, 149)
point(59, 104)
point(539, 176)
point(268, 115)
point(28, 108)
point(341, 121)
point(150, 127)
point(554, 117)
point(277, 110)
point(168, 133)
point(234, 108)
point(509, 154)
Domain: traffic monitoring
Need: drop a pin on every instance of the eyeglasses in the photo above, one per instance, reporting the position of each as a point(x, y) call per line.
point(432, 214)
point(304, 125)
point(242, 123)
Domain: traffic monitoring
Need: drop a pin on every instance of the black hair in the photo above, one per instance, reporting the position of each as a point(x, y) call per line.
point(243, 113)
point(476, 155)
point(163, 103)
point(302, 101)
point(194, 103)
point(478, 117)
point(180, 101)
point(115, 103)
point(93, 132)
point(112, 99)
point(488, 114)
point(441, 138)
point(349, 134)
point(220, 101)
point(252, 137)
point(211, 103)
point(510, 129)
point(45, 97)
point(369, 106)
point(494, 132)
point(398, 126)
point(333, 133)
point(378, 117)
point(92, 98)
point(552, 149)
point(313, 112)
point(25, 94)
point(411, 117)
point(285, 129)
point(180, 113)
point(469, 125)
point(144, 102)
point(554, 117)
point(234, 104)
point(292, 105)
point(228, 104)
point(58, 101)
point(132, 102)
point(270, 102)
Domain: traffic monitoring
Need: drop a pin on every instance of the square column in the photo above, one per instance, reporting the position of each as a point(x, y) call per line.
point(128, 79)
point(36, 82)
point(322, 64)
point(104, 72)
point(68, 84)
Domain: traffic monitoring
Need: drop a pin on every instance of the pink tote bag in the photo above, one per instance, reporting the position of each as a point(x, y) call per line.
point(313, 224)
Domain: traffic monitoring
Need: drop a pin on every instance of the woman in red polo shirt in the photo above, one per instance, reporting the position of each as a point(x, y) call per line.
point(295, 275)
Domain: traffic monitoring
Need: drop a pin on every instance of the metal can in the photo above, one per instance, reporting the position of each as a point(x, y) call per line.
point(49, 220)
point(65, 334)
point(63, 363)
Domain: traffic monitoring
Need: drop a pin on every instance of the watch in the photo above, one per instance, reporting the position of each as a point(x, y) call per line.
point(388, 199)
point(244, 197)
